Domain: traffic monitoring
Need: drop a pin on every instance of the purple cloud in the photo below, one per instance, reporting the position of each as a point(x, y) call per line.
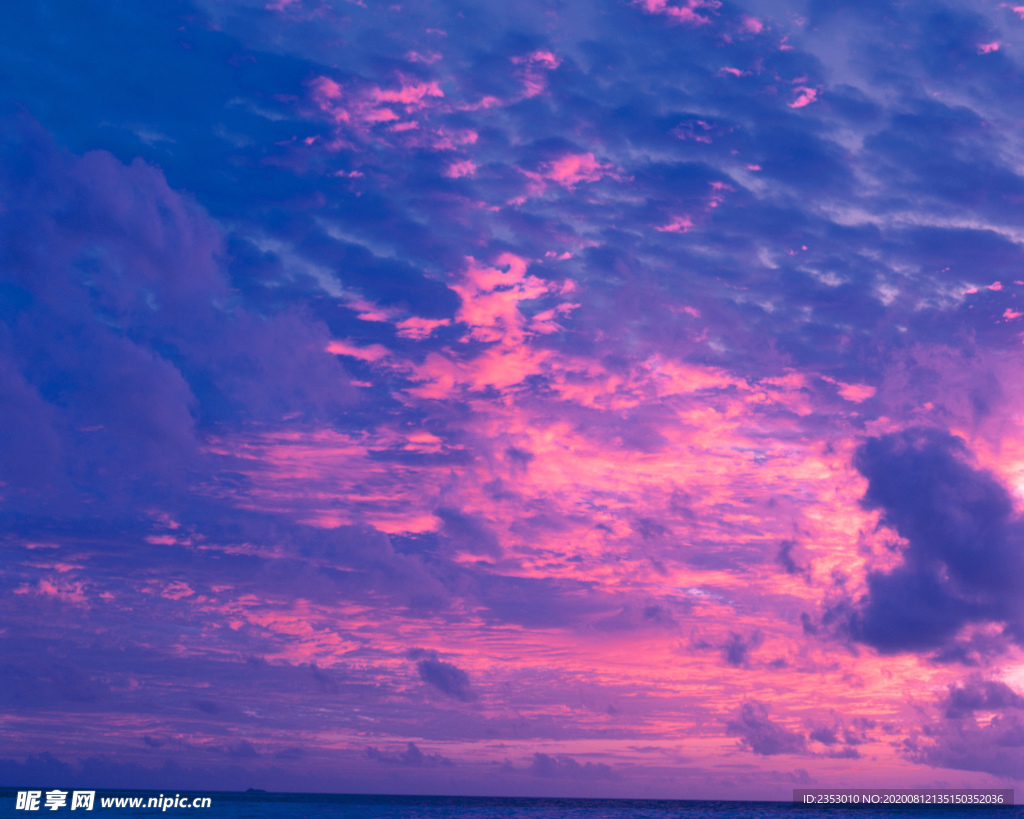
point(762, 735)
point(447, 678)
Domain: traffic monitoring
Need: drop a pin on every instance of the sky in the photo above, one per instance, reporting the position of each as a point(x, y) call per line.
point(561, 397)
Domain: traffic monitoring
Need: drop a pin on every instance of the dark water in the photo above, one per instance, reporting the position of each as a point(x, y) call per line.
point(322, 806)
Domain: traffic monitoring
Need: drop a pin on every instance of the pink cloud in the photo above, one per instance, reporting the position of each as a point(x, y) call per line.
point(460, 168)
point(753, 25)
point(544, 322)
point(419, 328)
point(482, 104)
point(686, 13)
point(680, 224)
point(427, 59)
point(448, 139)
point(368, 311)
point(572, 169)
point(567, 171)
point(733, 470)
point(161, 540)
point(805, 96)
point(325, 92)
point(62, 590)
point(491, 297)
point(683, 224)
point(988, 48)
point(718, 191)
point(500, 367)
point(533, 72)
point(357, 109)
point(374, 352)
point(412, 95)
point(730, 70)
point(856, 392)
point(541, 57)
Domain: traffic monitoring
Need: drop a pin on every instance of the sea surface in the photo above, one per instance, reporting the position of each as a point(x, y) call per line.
point(327, 806)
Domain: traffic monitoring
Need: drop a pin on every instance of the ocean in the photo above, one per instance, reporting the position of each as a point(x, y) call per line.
point(258, 805)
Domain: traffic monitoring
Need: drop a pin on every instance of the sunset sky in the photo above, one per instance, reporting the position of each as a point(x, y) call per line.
point(549, 397)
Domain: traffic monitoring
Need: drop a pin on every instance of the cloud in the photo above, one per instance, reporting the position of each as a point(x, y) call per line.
point(124, 340)
point(243, 749)
point(565, 767)
point(686, 12)
point(468, 533)
point(982, 731)
point(980, 695)
point(963, 559)
point(824, 735)
point(543, 329)
point(447, 678)
point(737, 647)
point(784, 557)
point(761, 735)
point(411, 757)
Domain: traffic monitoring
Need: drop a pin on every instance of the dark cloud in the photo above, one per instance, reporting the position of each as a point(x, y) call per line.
point(412, 756)
point(824, 735)
point(447, 678)
point(468, 533)
point(565, 767)
point(633, 617)
point(539, 602)
point(121, 336)
point(760, 734)
point(737, 647)
point(832, 736)
point(104, 772)
point(981, 695)
point(964, 555)
point(243, 749)
point(788, 561)
point(784, 557)
point(42, 685)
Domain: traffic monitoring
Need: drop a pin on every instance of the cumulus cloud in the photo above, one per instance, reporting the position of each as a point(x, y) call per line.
point(963, 559)
point(123, 338)
point(979, 694)
point(982, 730)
